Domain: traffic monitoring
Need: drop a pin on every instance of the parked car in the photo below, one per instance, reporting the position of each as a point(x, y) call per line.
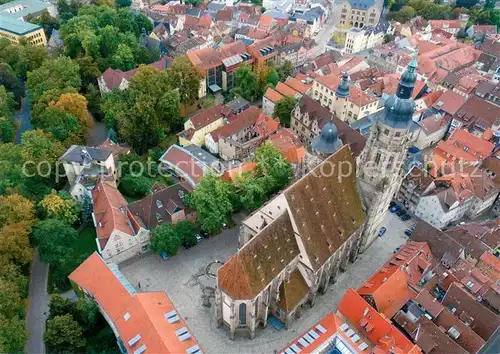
point(382, 231)
point(413, 227)
point(408, 232)
point(405, 217)
point(401, 212)
point(391, 204)
point(224, 226)
point(204, 234)
point(397, 249)
point(186, 245)
point(395, 208)
point(198, 238)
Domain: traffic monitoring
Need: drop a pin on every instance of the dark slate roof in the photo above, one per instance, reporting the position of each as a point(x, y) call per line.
point(361, 4)
point(77, 154)
point(487, 61)
point(237, 104)
point(194, 12)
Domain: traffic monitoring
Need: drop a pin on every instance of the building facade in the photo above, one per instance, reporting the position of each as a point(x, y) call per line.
point(351, 13)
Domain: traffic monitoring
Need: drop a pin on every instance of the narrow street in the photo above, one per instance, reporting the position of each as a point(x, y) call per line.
point(326, 31)
point(38, 306)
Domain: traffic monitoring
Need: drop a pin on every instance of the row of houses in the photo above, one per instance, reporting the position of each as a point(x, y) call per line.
point(437, 294)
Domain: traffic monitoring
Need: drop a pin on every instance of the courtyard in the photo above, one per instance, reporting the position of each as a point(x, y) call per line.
point(185, 279)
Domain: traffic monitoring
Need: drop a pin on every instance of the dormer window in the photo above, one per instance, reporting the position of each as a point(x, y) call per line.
point(158, 218)
point(159, 204)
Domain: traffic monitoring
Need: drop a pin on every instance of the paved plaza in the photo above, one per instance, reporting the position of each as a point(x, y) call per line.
point(184, 279)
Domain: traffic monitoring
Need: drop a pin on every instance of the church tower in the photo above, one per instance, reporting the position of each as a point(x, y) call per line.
point(341, 95)
point(380, 171)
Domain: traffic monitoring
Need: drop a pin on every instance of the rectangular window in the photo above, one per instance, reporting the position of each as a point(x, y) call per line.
point(377, 158)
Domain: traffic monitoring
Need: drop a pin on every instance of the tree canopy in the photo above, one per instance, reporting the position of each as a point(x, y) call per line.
point(283, 110)
point(212, 198)
point(165, 239)
point(63, 333)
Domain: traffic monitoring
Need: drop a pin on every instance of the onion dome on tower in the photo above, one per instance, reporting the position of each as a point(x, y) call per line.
point(342, 90)
point(399, 108)
point(328, 141)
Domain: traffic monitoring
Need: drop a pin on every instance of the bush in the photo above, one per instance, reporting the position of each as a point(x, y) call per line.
point(135, 186)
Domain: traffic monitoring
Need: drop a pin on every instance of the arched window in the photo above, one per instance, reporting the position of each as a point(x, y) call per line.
point(243, 315)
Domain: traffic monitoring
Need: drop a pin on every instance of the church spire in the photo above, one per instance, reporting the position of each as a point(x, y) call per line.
point(342, 90)
point(408, 79)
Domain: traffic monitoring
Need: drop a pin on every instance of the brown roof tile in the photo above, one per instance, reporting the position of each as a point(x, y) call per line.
point(161, 204)
point(327, 211)
point(206, 116)
point(259, 261)
point(481, 320)
point(292, 291)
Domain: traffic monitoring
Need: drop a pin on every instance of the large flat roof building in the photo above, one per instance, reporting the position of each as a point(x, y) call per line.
point(13, 25)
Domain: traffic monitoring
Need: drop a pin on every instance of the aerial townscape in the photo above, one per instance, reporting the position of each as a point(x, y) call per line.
point(250, 176)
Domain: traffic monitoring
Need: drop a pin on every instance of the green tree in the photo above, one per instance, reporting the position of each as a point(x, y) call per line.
point(404, 14)
point(286, 70)
point(11, 82)
point(40, 152)
point(135, 186)
point(212, 198)
point(86, 208)
point(59, 306)
point(61, 73)
point(165, 239)
point(246, 83)
point(54, 239)
point(186, 78)
point(8, 130)
point(13, 274)
point(283, 110)
point(273, 77)
point(272, 165)
point(63, 126)
point(123, 58)
point(252, 191)
point(123, 3)
point(7, 103)
point(11, 303)
point(13, 334)
point(186, 232)
point(64, 334)
point(45, 20)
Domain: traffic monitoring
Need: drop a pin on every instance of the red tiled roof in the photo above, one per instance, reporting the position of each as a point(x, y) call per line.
point(373, 325)
point(245, 119)
point(449, 102)
point(236, 172)
point(289, 144)
point(285, 90)
point(224, 15)
point(462, 146)
point(356, 95)
point(272, 95)
point(388, 285)
point(140, 316)
point(206, 116)
point(109, 212)
point(204, 59)
point(444, 24)
point(297, 85)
